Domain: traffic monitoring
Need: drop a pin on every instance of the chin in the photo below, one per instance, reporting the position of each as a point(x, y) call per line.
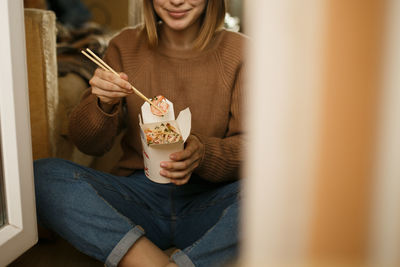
point(177, 26)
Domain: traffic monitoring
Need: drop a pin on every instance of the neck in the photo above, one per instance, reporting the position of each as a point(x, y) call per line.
point(179, 40)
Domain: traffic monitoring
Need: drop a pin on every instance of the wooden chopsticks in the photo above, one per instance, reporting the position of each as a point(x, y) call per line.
point(99, 62)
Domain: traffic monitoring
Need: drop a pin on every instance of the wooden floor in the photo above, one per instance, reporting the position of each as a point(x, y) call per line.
point(54, 253)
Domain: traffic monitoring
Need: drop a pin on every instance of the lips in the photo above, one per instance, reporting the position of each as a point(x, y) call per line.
point(177, 14)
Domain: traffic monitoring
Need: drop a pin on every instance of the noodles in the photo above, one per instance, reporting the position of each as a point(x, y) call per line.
point(162, 134)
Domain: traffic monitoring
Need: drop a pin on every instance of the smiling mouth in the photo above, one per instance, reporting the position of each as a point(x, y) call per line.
point(177, 14)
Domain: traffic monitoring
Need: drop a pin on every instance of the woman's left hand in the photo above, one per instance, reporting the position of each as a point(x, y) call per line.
point(183, 163)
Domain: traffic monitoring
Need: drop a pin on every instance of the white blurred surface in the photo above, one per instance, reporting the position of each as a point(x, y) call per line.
point(385, 241)
point(285, 57)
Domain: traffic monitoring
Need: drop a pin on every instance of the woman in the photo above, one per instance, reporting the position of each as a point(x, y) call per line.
point(123, 218)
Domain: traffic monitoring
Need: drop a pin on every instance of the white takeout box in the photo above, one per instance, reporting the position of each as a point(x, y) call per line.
point(153, 154)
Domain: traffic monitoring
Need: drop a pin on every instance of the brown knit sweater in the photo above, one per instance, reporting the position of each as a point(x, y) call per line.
point(209, 82)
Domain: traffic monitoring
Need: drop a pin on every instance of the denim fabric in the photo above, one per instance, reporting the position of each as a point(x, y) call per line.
point(206, 250)
point(102, 215)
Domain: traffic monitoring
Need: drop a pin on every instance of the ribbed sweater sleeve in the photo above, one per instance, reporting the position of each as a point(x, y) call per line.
point(222, 157)
point(90, 128)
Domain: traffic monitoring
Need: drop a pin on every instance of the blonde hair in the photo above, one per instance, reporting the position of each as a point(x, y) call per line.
point(211, 20)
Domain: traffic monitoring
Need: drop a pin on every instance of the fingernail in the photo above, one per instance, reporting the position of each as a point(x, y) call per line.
point(163, 164)
point(162, 172)
point(172, 157)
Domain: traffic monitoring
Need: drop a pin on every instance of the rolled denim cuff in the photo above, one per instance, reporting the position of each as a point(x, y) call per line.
point(181, 259)
point(123, 246)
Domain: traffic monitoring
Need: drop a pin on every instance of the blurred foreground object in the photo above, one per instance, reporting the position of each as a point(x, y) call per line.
point(323, 179)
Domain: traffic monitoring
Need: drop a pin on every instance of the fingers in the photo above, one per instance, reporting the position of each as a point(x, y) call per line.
point(108, 94)
point(108, 87)
point(193, 145)
point(182, 155)
point(123, 76)
point(183, 162)
point(181, 181)
point(110, 82)
point(179, 172)
point(178, 165)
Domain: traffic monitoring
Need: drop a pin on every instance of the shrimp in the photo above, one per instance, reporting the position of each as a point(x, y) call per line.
point(161, 102)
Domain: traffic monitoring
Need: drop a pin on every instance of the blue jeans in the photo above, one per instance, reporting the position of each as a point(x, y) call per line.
point(103, 215)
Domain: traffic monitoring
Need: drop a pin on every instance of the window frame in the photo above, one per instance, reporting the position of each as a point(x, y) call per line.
point(20, 231)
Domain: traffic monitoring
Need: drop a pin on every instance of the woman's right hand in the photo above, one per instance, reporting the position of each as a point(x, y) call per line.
point(109, 88)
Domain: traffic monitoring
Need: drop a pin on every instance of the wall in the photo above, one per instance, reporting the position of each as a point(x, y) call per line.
point(114, 14)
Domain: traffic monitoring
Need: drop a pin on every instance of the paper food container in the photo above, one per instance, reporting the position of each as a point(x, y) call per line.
point(153, 154)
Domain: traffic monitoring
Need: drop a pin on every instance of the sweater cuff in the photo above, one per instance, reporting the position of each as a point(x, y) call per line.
point(91, 117)
point(221, 158)
point(203, 170)
point(91, 129)
point(114, 112)
point(214, 165)
point(202, 140)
